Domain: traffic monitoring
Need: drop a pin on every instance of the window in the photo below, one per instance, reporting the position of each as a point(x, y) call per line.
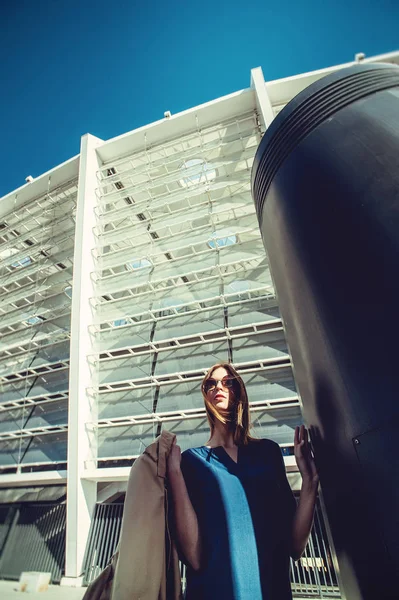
point(141, 263)
point(120, 322)
point(198, 170)
point(24, 262)
point(34, 320)
point(222, 238)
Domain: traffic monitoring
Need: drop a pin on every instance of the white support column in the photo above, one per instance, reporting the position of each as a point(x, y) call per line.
point(81, 493)
point(263, 104)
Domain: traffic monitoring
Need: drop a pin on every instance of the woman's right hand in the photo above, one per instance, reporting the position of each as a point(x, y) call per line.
point(174, 459)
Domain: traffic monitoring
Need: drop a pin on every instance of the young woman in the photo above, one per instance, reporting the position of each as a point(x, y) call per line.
point(236, 520)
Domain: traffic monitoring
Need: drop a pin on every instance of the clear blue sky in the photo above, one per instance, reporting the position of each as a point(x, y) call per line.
point(105, 67)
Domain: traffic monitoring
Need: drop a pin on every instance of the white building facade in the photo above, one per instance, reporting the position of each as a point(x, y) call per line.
point(125, 273)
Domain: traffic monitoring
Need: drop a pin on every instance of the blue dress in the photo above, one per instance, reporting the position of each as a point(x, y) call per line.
point(245, 512)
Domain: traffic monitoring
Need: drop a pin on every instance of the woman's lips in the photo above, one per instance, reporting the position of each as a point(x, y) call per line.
point(219, 397)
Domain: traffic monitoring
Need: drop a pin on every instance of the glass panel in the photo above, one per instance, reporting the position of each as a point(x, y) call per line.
point(47, 448)
point(125, 441)
point(190, 324)
point(249, 278)
point(195, 291)
point(124, 369)
point(50, 383)
point(187, 238)
point(133, 335)
point(12, 450)
point(125, 307)
point(126, 404)
point(180, 396)
point(261, 385)
point(51, 354)
point(238, 252)
point(252, 312)
point(9, 393)
point(12, 420)
point(259, 347)
point(192, 358)
point(52, 413)
point(42, 334)
point(53, 303)
point(36, 386)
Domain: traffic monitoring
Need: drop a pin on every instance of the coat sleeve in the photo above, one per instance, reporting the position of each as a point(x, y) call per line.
point(100, 588)
point(140, 566)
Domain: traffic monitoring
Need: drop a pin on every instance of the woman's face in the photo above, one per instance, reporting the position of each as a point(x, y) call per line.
point(218, 391)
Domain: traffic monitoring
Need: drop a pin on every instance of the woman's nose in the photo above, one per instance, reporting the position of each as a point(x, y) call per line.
point(219, 384)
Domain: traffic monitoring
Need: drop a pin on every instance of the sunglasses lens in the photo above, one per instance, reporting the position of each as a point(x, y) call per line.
point(211, 384)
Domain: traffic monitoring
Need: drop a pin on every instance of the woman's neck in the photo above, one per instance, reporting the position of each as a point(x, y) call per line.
point(222, 436)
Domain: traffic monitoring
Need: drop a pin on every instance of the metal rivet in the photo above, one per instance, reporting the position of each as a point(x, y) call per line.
point(357, 441)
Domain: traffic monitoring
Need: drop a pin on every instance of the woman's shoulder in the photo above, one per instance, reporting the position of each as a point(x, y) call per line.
point(194, 450)
point(263, 441)
point(193, 459)
point(270, 443)
point(193, 453)
point(265, 445)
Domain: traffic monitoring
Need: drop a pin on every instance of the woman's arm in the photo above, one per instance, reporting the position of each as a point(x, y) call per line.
point(185, 519)
point(303, 519)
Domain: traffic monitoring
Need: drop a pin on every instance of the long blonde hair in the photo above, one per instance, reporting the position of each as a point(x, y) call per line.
point(238, 421)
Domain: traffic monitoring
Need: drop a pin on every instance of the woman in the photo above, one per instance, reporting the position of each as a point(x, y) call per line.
point(236, 520)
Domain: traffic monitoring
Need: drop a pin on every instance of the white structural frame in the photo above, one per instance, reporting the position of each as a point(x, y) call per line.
point(82, 493)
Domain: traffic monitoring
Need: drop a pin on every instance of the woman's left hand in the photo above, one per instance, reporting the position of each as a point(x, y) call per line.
point(303, 455)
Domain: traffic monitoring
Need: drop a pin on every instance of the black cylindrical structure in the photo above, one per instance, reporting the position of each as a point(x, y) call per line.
point(326, 187)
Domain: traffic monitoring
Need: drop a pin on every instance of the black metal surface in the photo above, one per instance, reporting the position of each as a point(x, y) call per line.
point(328, 210)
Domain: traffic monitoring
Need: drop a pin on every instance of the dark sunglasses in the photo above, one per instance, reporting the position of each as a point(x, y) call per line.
point(227, 383)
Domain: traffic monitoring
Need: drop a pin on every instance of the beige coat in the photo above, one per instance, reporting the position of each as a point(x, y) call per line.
point(145, 566)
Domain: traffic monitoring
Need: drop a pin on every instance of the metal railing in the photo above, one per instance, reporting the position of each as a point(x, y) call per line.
point(103, 539)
